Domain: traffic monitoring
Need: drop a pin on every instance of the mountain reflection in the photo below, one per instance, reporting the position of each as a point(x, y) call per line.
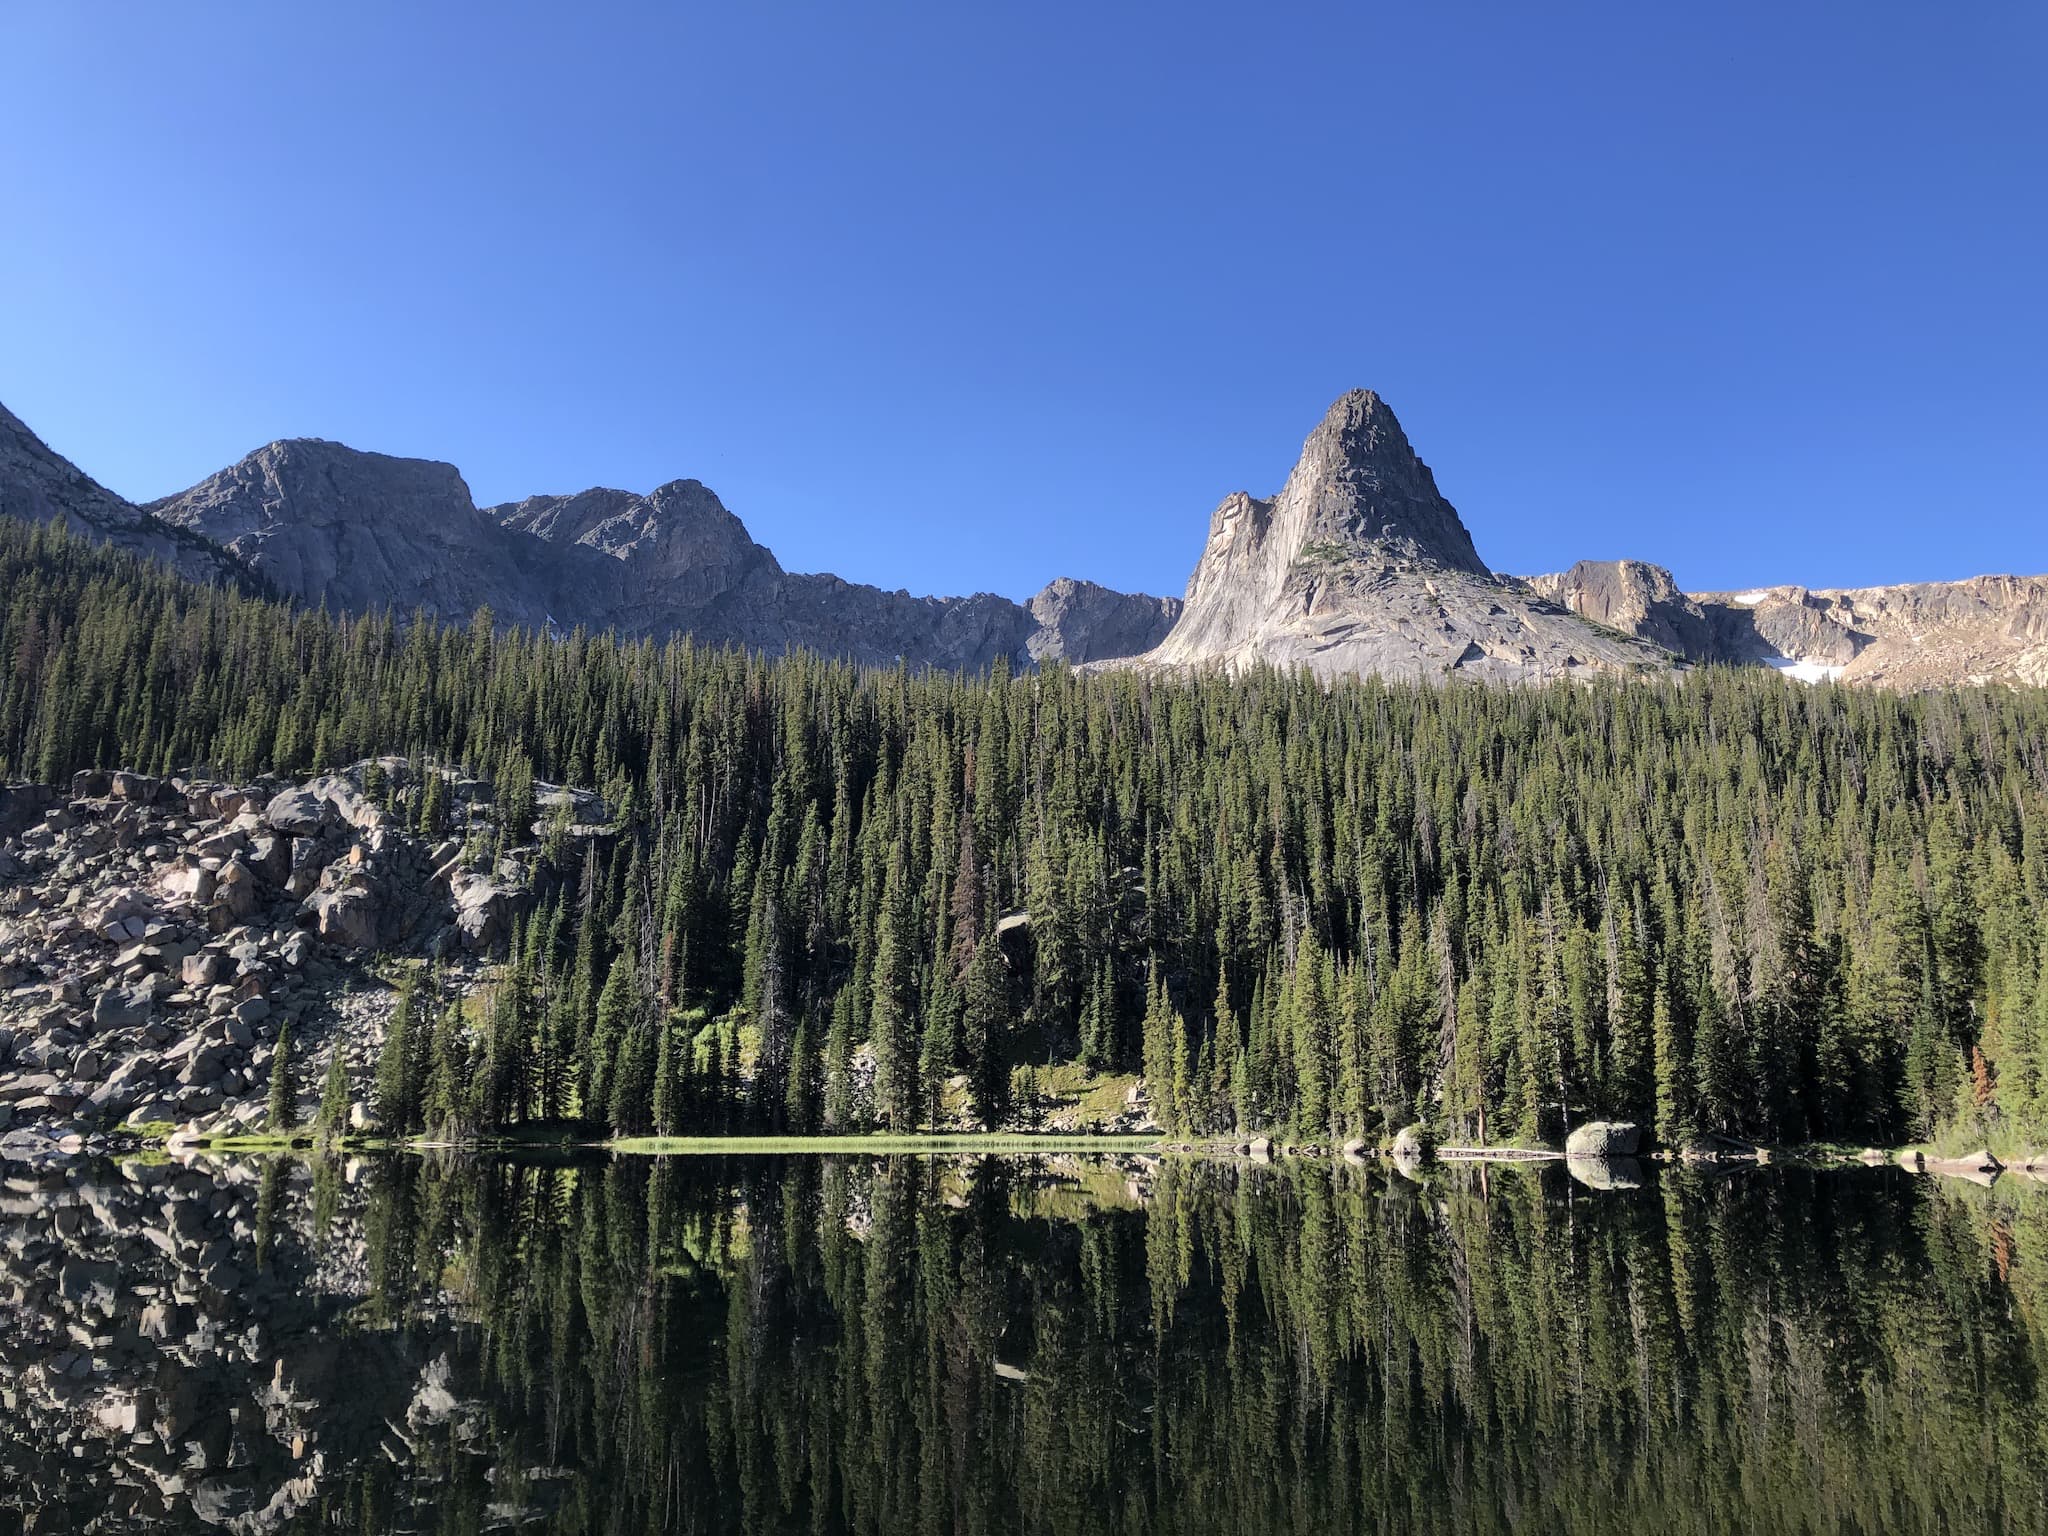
point(833, 1344)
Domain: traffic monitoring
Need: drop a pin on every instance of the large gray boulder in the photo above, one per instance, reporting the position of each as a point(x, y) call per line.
point(346, 915)
point(296, 812)
point(123, 1007)
point(349, 803)
point(1412, 1144)
point(1603, 1138)
point(484, 910)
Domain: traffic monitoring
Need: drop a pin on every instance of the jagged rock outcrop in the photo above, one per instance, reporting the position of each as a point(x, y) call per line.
point(1636, 598)
point(1079, 621)
point(1919, 635)
point(1360, 565)
point(39, 486)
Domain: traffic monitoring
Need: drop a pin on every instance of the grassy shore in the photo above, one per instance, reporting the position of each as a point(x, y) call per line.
point(667, 1146)
point(683, 1146)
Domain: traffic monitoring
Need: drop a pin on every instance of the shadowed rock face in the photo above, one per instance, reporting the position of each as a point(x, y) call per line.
point(39, 486)
point(364, 531)
point(1918, 635)
point(1360, 565)
point(1080, 621)
point(359, 531)
point(1635, 598)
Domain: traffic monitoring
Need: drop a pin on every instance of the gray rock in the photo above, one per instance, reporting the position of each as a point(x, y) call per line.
point(122, 1007)
point(1079, 621)
point(1412, 1144)
point(1606, 1173)
point(296, 812)
point(346, 915)
point(1603, 1138)
point(136, 788)
point(270, 856)
point(483, 914)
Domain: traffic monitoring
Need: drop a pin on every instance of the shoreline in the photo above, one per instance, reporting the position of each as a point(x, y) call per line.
point(1980, 1166)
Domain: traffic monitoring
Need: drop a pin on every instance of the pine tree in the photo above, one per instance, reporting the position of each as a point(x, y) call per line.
point(283, 1106)
point(985, 1032)
point(332, 1122)
point(397, 1090)
point(890, 1026)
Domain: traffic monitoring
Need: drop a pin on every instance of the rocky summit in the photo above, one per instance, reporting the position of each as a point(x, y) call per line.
point(1360, 565)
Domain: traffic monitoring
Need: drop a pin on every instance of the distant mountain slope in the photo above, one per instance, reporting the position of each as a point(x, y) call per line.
point(364, 531)
point(39, 486)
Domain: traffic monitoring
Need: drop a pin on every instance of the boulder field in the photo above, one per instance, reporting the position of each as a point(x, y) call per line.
point(156, 933)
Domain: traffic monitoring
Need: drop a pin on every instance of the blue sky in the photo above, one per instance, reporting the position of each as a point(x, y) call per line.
point(961, 297)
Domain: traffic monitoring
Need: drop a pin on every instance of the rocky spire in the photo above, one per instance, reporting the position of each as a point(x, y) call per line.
point(1359, 565)
point(1359, 484)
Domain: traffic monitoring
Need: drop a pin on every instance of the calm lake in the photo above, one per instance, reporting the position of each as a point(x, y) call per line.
point(1048, 1344)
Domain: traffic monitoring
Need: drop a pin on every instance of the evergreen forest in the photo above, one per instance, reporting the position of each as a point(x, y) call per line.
point(839, 899)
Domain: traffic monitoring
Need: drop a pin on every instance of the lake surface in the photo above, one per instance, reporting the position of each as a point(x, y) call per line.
point(860, 1344)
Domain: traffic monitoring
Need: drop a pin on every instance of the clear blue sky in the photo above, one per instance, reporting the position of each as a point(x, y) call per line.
point(966, 296)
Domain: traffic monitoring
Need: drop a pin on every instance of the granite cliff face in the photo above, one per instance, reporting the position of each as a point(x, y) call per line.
point(358, 531)
point(1360, 565)
point(1637, 599)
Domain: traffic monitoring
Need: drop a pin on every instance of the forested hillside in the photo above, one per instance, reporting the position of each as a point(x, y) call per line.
point(1724, 903)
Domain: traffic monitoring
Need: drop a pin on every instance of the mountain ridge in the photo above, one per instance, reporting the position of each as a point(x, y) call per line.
point(1358, 565)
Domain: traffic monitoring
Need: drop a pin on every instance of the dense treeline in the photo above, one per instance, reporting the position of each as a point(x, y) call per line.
point(1721, 905)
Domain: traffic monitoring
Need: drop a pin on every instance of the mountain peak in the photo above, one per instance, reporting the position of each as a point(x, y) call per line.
point(1360, 486)
point(1361, 565)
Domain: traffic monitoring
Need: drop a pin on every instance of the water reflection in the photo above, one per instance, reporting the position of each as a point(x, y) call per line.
point(910, 1345)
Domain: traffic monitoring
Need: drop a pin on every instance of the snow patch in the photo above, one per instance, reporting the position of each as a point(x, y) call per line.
point(1749, 599)
point(1807, 671)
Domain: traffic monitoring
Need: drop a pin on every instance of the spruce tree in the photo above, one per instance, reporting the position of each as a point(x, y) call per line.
point(283, 1105)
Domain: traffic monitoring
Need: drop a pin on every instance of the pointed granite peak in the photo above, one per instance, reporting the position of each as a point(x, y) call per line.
point(1360, 487)
point(1359, 565)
